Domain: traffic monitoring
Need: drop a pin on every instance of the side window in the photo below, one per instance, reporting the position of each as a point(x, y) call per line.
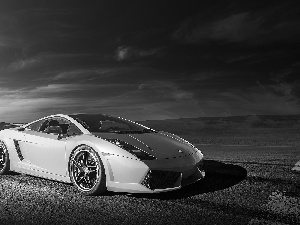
point(73, 130)
point(56, 123)
point(36, 125)
point(53, 126)
point(67, 128)
point(44, 126)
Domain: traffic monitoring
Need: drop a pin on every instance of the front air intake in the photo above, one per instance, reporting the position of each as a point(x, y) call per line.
point(159, 179)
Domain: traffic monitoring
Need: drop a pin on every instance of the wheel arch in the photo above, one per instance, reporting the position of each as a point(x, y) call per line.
point(12, 153)
point(5, 161)
point(106, 166)
point(7, 137)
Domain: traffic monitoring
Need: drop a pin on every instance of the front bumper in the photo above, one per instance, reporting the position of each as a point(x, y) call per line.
point(135, 176)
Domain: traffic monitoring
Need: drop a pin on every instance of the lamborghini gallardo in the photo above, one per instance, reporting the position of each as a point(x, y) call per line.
point(99, 153)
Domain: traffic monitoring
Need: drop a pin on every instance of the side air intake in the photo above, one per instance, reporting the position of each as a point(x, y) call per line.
point(17, 146)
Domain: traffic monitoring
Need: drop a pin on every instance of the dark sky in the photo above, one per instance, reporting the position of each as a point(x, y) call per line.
point(148, 59)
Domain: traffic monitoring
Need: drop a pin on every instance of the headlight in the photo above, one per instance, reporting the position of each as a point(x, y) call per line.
point(131, 149)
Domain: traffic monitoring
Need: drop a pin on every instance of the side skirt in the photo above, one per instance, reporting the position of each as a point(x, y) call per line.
point(26, 169)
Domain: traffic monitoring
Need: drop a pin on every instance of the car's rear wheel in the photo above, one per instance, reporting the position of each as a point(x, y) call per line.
point(87, 171)
point(4, 159)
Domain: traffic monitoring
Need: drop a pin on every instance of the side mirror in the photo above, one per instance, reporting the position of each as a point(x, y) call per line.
point(61, 136)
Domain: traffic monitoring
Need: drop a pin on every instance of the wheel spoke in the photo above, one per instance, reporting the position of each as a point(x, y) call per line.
point(89, 160)
point(76, 173)
point(81, 178)
point(87, 179)
point(92, 168)
point(77, 165)
point(85, 158)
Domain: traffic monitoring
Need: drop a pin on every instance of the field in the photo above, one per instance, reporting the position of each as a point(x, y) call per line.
point(244, 184)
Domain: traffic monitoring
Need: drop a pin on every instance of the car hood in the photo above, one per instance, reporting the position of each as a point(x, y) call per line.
point(161, 145)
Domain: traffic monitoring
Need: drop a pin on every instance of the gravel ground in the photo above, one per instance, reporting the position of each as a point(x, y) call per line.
point(244, 185)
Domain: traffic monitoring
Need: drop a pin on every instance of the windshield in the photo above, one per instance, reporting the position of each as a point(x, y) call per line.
point(109, 124)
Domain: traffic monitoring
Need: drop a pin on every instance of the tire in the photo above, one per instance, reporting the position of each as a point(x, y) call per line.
point(4, 159)
point(87, 171)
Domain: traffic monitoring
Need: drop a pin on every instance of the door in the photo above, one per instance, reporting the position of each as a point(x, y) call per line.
point(44, 151)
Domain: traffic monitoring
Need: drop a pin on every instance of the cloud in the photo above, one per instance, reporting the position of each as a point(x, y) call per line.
point(4, 42)
point(24, 105)
point(10, 42)
point(124, 74)
point(10, 35)
point(47, 91)
point(123, 53)
point(46, 65)
point(206, 76)
point(84, 73)
point(54, 88)
point(262, 26)
point(25, 109)
point(285, 84)
point(148, 100)
point(23, 64)
point(164, 91)
point(234, 28)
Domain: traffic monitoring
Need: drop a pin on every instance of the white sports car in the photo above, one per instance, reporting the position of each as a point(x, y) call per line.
point(99, 152)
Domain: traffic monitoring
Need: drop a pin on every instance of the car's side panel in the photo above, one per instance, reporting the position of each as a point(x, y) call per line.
point(26, 168)
point(23, 166)
point(45, 152)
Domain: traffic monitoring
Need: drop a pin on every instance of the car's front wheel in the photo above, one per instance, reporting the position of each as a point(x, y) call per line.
point(87, 171)
point(4, 159)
